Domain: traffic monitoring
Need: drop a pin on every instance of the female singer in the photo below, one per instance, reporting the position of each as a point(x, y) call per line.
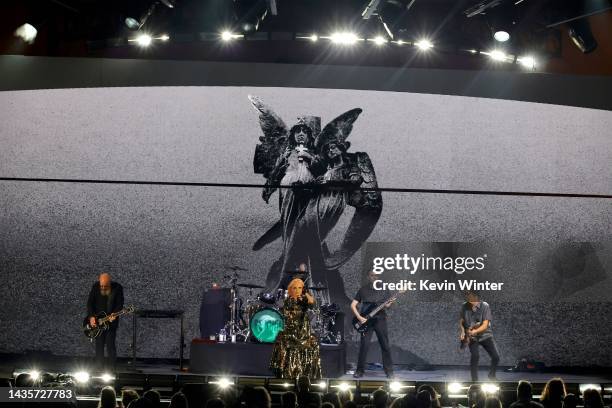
point(296, 350)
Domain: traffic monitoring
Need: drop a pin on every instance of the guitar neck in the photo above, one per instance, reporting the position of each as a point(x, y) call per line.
point(116, 314)
point(381, 306)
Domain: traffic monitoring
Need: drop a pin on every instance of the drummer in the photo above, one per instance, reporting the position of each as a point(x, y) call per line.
point(288, 276)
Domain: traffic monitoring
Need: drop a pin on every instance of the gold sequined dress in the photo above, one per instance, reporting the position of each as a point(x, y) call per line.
point(296, 350)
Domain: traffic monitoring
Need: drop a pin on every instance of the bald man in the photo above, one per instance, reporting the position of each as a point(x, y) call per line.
point(105, 296)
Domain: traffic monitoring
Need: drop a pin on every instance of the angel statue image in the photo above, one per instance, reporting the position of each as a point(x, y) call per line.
point(316, 178)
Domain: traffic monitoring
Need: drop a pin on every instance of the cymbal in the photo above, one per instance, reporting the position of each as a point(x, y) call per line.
point(318, 288)
point(250, 286)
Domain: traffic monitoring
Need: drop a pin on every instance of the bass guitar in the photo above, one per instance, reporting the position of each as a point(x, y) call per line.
point(370, 312)
point(103, 322)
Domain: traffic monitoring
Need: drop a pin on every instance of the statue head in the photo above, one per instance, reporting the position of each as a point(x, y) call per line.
point(305, 131)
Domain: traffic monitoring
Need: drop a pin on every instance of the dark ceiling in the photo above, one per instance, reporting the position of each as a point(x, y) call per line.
point(97, 28)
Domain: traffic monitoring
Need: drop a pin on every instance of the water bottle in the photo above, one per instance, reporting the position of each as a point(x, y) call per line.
point(338, 338)
point(222, 335)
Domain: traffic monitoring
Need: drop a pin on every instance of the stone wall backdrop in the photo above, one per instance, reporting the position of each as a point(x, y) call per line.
point(166, 244)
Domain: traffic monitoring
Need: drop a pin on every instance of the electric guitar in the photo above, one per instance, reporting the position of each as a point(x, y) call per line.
point(103, 322)
point(467, 339)
point(370, 313)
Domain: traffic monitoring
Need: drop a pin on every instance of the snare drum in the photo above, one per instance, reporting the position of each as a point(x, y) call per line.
point(265, 324)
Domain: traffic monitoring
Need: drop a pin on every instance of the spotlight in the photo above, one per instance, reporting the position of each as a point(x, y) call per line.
point(227, 36)
point(344, 386)
point(27, 32)
point(379, 40)
point(286, 385)
point(395, 386)
point(322, 384)
point(584, 387)
point(314, 38)
point(107, 377)
point(400, 42)
point(224, 382)
point(501, 36)
point(144, 40)
point(424, 44)
point(581, 35)
point(454, 387)
point(344, 38)
point(81, 376)
point(497, 55)
point(490, 388)
point(528, 62)
point(34, 375)
point(164, 37)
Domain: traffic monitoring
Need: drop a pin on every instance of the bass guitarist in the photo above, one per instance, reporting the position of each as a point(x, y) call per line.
point(475, 331)
point(106, 297)
point(367, 298)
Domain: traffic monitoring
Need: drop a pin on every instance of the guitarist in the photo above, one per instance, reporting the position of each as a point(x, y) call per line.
point(105, 296)
point(475, 331)
point(367, 298)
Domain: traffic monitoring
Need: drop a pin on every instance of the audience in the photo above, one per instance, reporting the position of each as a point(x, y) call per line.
point(524, 395)
point(256, 397)
point(307, 398)
point(154, 397)
point(493, 402)
point(289, 400)
point(592, 398)
point(570, 401)
point(108, 398)
point(179, 400)
point(345, 395)
point(435, 397)
point(141, 402)
point(128, 396)
point(380, 398)
point(349, 404)
point(476, 396)
point(333, 399)
point(327, 405)
point(553, 394)
point(423, 399)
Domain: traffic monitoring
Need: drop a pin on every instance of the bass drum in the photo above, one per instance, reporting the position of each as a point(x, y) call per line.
point(265, 324)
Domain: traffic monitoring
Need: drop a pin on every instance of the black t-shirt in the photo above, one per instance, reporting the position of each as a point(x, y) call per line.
point(97, 303)
point(367, 296)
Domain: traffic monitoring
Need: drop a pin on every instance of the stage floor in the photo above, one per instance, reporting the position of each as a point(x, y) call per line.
point(10, 363)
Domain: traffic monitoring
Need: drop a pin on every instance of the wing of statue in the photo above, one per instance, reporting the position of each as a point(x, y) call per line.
point(339, 128)
point(368, 207)
point(267, 160)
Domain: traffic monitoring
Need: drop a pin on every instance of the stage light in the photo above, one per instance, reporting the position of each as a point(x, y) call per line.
point(501, 36)
point(581, 35)
point(344, 386)
point(344, 38)
point(454, 388)
point(527, 61)
point(227, 36)
point(400, 42)
point(81, 376)
point(27, 32)
point(424, 45)
point(322, 384)
point(34, 375)
point(314, 38)
point(497, 55)
point(379, 40)
point(224, 382)
point(164, 37)
point(584, 387)
point(395, 386)
point(107, 377)
point(490, 388)
point(144, 40)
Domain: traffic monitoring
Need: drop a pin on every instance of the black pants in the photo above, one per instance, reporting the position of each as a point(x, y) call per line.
point(491, 348)
point(107, 338)
point(379, 325)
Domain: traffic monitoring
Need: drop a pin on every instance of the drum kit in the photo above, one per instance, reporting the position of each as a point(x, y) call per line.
point(256, 315)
